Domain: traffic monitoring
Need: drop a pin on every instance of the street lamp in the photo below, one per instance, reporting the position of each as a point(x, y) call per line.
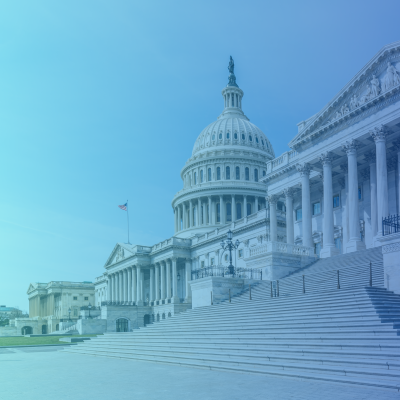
point(69, 313)
point(230, 246)
point(89, 307)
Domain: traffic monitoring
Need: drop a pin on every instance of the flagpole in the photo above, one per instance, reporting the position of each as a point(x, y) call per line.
point(127, 215)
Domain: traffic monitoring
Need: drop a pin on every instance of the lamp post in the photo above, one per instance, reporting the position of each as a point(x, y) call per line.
point(229, 245)
point(89, 307)
point(69, 313)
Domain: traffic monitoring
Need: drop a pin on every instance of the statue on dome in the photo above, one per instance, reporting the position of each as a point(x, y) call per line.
point(231, 65)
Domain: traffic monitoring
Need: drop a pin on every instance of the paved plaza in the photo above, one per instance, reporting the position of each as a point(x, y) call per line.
point(34, 373)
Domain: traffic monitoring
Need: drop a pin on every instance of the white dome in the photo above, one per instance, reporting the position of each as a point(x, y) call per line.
point(232, 132)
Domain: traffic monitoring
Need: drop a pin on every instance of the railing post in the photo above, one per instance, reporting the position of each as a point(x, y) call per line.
point(272, 295)
point(277, 288)
point(304, 284)
point(250, 291)
point(370, 273)
point(338, 279)
point(211, 298)
point(229, 295)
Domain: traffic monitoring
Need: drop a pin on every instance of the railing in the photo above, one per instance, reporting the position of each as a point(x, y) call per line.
point(91, 308)
point(225, 272)
point(391, 224)
point(281, 247)
point(117, 303)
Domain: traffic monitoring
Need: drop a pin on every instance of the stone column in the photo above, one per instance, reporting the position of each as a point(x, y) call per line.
point(289, 215)
point(151, 283)
point(191, 213)
point(188, 273)
point(396, 145)
point(379, 135)
point(139, 299)
point(370, 157)
point(126, 286)
point(114, 288)
point(120, 287)
point(157, 281)
point(256, 204)
point(162, 267)
point(129, 284)
point(233, 208)
point(168, 279)
point(179, 218)
point(354, 242)
point(184, 216)
point(273, 221)
point(244, 206)
point(305, 170)
point(142, 287)
point(204, 214)
point(209, 210)
point(134, 285)
point(329, 248)
point(109, 290)
point(175, 298)
point(176, 219)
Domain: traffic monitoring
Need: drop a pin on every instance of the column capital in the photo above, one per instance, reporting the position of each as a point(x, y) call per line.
point(351, 146)
point(289, 192)
point(379, 133)
point(304, 169)
point(325, 158)
point(272, 199)
point(370, 157)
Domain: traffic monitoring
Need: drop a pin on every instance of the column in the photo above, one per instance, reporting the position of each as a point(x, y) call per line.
point(191, 213)
point(129, 284)
point(188, 273)
point(139, 299)
point(168, 279)
point(209, 210)
point(114, 288)
point(221, 209)
point(162, 280)
point(176, 219)
point(179, 218)
point(142, 294)
point(157, 281)
point(204, 214)
point(289, 215)
point(198, 212)
point(134, 285)
point(244, 206)
point(354, 242)
point(175, 298)
point(184, 223)
point(233, 208)
point(396, 145)
point(152, 298)
point(109, 290)
point(125, 272)
point(370, 157)
point(379, 135)
point(329, 248)
point(305, 170)
point(256, 204)
point(273, 222)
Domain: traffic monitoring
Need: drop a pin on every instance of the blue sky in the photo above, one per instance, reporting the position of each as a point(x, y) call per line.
point(101, 101)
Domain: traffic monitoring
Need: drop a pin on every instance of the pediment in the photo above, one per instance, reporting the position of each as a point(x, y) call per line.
point(371, 88)
point(31, 288)
point(119, 253)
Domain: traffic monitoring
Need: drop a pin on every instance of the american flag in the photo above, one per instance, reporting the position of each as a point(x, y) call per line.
point(123, 207)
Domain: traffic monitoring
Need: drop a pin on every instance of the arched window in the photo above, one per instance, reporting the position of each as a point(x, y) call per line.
point(235, 136)
point(195, 216)
point(201, 176)
point(218, 212)
point(237, 173)
point(247, 174)
point(228, 212)
point(209, 174)
point(238, 210)
point(256, 175)
point(243, 136)
point(248, 208)
point(220, 136)
point(250, 138)
point(195, 178)
point(256, 139)
point(264, 173)
point(227, 135)
point(218, 173)
point(262, 142)
point(228, 173)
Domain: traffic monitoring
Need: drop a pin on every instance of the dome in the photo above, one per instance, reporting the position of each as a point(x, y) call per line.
point(232, 132)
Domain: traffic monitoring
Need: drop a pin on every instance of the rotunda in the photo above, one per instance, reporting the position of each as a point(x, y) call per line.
point(221, 180)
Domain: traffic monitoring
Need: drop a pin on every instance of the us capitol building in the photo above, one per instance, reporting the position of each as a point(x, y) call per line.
point(327, 195)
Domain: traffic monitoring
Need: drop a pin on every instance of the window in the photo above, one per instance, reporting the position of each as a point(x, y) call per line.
point(264, 173)
point(213, 261)
point(238, 210)
point(250, 138)
point(338, 244)
point(237, 170)
point(228, 212)
point(195, 216)
point(218, 212)
point(220, 136)
point(317, 247)
point(218, 173)
point(235, 136)
point(227, 135)
point(262, 142)
point(336, 201)
point(75, 312)
point(256, 175)
point(195, 178)
point(226, 257)
point(241, 253)
point(209, 174)
point(243, 137)
point(213, 137)
point(201, 215)
point(75, 298)
point(299, 214)
point(359, 193)
point(248, 208)
point(228, 173)
point(316, 208)
point(86, 298)
point(256, 139)
point(202, 264)
point(247, 174)
point(201, 176)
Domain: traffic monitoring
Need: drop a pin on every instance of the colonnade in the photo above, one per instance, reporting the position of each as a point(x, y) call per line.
point(212, 210)
point(126, 285)
point(379, 198)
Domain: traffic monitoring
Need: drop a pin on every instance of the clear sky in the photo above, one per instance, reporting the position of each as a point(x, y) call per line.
point(102, 101)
